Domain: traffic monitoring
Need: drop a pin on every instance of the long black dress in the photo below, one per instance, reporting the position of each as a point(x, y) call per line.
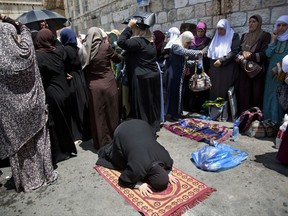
point(79, 96)
point(57, 93)
point(143, 78)
point(133, 150)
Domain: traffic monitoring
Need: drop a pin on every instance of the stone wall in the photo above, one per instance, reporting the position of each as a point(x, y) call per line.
point(109, 14)
point(14, 9)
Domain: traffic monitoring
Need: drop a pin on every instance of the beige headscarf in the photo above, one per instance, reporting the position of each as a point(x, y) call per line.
point(251, 38)
point(90, 46)
point(146, 33)
point(186, 36)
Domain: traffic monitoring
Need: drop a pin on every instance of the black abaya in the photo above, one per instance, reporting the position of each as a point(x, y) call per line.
point(57, 93)
point(133, 150)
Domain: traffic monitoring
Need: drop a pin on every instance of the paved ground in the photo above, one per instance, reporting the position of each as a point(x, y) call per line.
point(259, 186)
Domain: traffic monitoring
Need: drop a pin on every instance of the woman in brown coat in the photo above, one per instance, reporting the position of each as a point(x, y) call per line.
point(253, 45)
point(96, 57)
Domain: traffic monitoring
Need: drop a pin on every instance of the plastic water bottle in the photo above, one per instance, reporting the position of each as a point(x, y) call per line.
point(200, 62)
point(280, 134)
point(235, 133)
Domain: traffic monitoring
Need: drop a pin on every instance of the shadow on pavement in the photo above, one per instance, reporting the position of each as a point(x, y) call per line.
point(269, 161)
point(88, 146)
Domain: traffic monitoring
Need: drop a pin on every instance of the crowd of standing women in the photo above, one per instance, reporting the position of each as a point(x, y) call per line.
point(56, 93)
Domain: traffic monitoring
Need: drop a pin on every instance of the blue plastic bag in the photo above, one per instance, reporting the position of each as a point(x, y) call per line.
point(217, 158)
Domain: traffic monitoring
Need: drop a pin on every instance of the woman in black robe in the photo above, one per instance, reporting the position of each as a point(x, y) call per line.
point(51, 65)
point(77, 84)
point(139, 156)
point(143, 73)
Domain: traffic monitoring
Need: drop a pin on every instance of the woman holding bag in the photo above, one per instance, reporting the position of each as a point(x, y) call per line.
point(253, 45)
point(276, 51)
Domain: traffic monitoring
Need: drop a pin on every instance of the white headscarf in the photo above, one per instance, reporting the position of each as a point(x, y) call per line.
point(186, 36)
point(174, 33)
point(282, 19)
point(285, 64)
point(221, 45)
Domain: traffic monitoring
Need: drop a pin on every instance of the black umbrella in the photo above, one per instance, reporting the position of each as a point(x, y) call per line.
point(33, 18)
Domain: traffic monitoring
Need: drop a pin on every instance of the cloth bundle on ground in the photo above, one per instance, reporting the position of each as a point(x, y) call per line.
point(200, 130)
point(217, 109)
point(247, 117)
point(218, 158)
point(251, 124)
point(261, 129)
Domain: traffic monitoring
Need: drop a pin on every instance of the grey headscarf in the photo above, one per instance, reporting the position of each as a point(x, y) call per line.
point(90, 46)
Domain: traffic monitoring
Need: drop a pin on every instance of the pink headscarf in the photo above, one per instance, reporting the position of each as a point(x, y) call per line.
point(198, 41)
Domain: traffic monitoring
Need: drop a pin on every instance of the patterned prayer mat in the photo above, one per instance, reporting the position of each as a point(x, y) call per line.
point(199, 130)
point(175, 200)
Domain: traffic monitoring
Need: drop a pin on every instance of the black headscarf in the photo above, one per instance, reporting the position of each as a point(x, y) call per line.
point(157, 177)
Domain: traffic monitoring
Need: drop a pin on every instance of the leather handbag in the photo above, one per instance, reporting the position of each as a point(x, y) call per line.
point(282, 95)
point(261, 129)
point(144, 19)
point(199, 81)
point(251, 68)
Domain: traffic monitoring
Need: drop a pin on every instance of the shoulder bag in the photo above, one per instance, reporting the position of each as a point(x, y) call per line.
point(251, 68)
point(199, 82)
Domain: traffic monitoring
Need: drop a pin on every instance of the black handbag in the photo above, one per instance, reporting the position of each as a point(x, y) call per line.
point(144, 19)
point(251, 68)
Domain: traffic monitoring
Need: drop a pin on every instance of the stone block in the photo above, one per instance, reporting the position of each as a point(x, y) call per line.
point(237, 19)
point(185, 13)
point(277, 12)
point(104, 19)
point(246, 5)
point(200, 10)
point(162, 17)
point(156, 5)
point(272, 3)
point(171, 16)
point(168, 4)
point(181, 3)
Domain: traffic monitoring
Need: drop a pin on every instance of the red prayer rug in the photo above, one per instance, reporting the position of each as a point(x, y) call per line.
point(199, 130)
point(175, 200)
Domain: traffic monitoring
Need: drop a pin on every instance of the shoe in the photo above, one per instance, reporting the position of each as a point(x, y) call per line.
point(78, 142)
point(55, 177)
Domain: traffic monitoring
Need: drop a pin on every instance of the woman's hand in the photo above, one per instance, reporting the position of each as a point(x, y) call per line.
point(145, 189)
point(217, 63)
point(239, 58)
point(132, 23)
point(274, 37)
point(172, 179)
point(246, 54)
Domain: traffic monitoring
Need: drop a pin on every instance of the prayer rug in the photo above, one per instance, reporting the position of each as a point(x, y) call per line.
point(199, 130)
point(175, 200)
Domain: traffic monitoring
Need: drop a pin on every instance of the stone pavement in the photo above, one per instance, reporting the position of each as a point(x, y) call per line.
point(258, 186)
